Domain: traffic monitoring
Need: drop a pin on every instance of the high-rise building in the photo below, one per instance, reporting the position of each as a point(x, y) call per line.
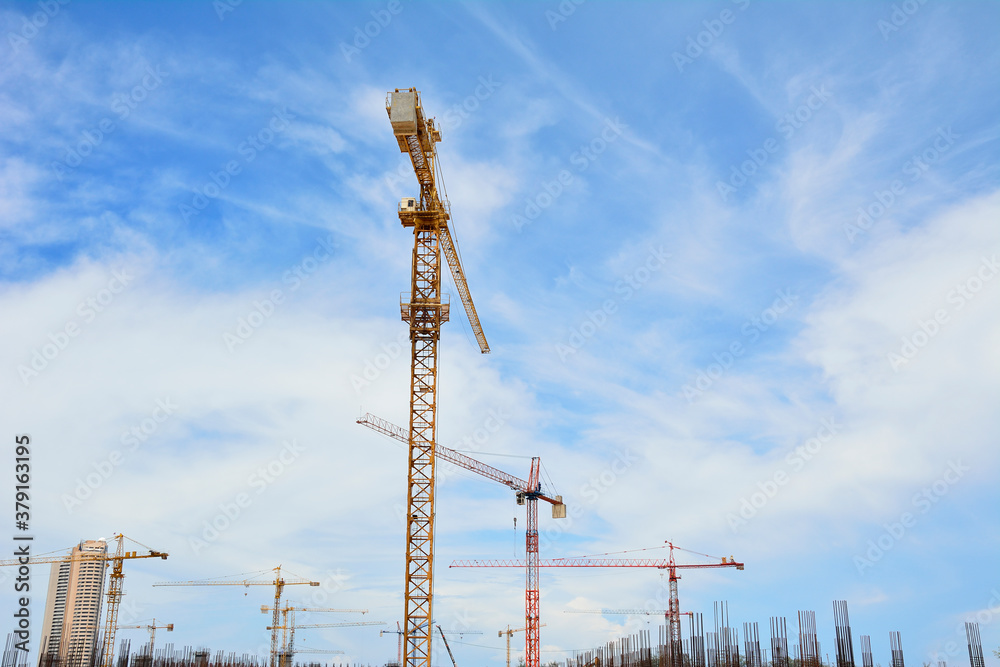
point(73, 607)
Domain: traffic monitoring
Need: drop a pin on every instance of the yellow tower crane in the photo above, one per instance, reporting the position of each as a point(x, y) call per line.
point(152, 627)
point(510, 633)
point(279, 584)
point(115, 590)
point(288, 650)
point(424, 310)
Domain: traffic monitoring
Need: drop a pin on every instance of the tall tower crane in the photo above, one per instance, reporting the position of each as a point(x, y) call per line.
point(287, 650)
point(528, 493)
point(669, 564)
point(152, 627)
point(279, 584)
point(424, 310)
point(115, 590)
point(510, 633)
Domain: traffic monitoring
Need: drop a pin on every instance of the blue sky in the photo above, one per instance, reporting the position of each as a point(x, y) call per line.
point(736, 261)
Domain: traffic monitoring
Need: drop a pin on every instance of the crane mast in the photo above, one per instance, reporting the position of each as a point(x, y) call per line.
point(424, 310)
point(528, 493)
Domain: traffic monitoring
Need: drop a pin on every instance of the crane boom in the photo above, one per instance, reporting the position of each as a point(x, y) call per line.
point(417, 136)
point(458, 275)
point(453, 456)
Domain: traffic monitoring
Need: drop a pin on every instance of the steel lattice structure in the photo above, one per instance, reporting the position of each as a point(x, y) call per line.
point(424, 310)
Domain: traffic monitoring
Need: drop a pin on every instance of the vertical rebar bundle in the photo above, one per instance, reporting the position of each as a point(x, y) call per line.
point(697, 655)
point(13, 656)
point(727, 650)
point(866, 651)
point(751, 640)
point(808, 644)
point(896, 644)
point(779, 641)
point(975, 644)
point(633, 651)
point(845, 649)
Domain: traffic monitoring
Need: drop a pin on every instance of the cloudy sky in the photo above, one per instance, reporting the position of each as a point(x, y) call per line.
point(737, 263)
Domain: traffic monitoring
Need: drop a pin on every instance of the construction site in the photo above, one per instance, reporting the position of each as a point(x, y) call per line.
point(679, 636)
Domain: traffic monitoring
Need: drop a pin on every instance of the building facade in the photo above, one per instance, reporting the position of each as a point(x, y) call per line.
point(73, 607)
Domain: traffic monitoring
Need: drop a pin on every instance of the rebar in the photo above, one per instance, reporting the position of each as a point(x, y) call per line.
point(845, 649)
point(975, 644)
point(896, 644)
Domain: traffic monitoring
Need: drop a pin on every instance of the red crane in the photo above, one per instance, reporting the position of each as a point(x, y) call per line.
point(673, 608)
point(528, 493)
